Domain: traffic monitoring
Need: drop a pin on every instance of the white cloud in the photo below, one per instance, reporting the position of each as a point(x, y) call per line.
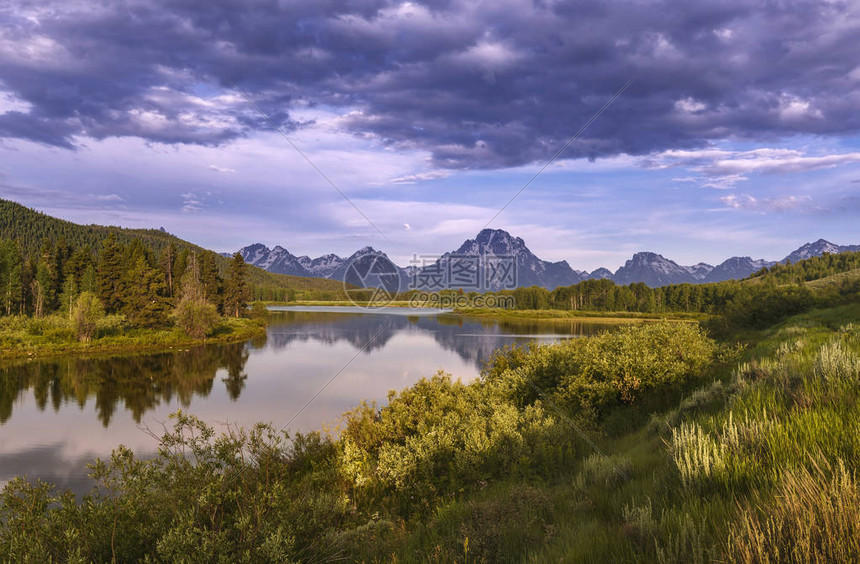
point(418, 177)
point(781, 204)
point(722, 169)
point(689, 105)
point(11, 103)
point(191, 203)
point(222, 170)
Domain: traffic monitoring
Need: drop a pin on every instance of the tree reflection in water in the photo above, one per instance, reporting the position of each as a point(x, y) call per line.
point(140, 382)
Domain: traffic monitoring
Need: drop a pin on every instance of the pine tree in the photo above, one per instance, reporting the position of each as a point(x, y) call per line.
point(145, 303)
point(168, 257)
point(237, 291)
point(210, 278)
point(111, 279)
point(11, 288)
point(47, 278)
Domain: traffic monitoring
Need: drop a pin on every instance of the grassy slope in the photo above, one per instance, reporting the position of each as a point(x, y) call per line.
point(835, 281)
point(591, 514)
point(30, 227)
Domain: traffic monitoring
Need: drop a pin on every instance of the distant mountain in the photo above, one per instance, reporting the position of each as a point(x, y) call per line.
point(600, 274)
point(647, 267)
point(817, 249)
point(530, 271)
point(323, 266)
point(281, 261)
point(368, 264)
point(278, 260)
point(652, 269)
point(700, 271)
point(736, 268)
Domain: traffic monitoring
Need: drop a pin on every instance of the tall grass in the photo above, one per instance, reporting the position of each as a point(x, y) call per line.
point(814, 517)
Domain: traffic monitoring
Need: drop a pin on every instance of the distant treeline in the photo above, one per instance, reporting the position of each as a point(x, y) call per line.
point(767, 295)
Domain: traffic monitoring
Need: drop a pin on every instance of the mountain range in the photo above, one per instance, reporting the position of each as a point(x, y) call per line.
point(647, 267)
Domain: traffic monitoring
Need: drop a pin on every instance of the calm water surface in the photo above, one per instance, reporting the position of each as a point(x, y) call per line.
point(58, 415)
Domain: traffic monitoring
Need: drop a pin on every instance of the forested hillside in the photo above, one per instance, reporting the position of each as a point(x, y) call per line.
point(31, 231)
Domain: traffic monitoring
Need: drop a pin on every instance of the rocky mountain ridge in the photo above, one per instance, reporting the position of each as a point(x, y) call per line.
point(479, 264)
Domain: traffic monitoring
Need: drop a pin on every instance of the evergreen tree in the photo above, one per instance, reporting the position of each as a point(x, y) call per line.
point(237, 291)
point(48, 278)
point(210, 278)
point(111, 279)
point(166, 262)
point(145, 303)
point(11, 288)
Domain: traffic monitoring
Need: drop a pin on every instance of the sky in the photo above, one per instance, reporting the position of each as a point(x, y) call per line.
point(698, 130)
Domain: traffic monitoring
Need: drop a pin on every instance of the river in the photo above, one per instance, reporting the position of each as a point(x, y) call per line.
point(57, 415)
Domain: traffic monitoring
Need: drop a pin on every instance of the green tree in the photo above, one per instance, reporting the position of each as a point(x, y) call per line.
point(145, 303)
point(86, 313)
point(11, 285)
point(237, 291)
point(111, 275)
point(210, 278)
point(193, 313)
point(167, 260)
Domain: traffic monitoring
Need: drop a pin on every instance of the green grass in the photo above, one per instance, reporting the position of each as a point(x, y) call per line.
point(771, 448)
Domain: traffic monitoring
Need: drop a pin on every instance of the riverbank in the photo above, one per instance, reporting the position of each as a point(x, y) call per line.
point(22, 337)
point(590, 316)
point(340, 303)
point(502, 314)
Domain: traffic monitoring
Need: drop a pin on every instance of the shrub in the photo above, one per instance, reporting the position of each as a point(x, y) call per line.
point(238, 497)
point(624, 364)
point(196, 317)
point(588, 375)
point(86, 314)
point(259, 311)
point(439, 436)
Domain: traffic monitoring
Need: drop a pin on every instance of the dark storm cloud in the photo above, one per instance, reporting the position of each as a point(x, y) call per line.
point(478, 85)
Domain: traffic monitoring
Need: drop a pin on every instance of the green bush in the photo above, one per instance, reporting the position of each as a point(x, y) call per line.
point(259, 311)
point(440, 435)
point(238, 497)
point(196, 317)
point(588, 375)
point(86, 313)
